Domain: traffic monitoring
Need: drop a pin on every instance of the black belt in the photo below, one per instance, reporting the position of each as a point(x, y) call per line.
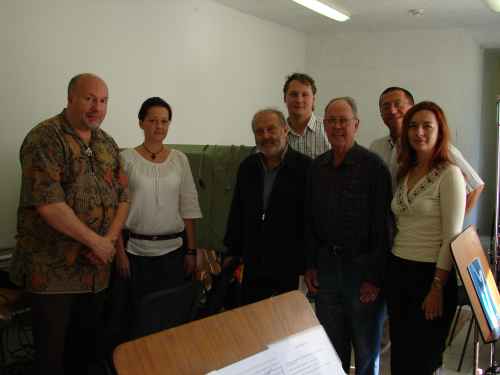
point(335, 250)
point(157, 237)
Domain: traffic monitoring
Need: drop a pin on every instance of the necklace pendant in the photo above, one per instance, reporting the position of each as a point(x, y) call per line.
point(153, 156)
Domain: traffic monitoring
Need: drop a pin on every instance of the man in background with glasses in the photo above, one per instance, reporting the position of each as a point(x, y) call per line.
point(394, 102)
point(348, 235)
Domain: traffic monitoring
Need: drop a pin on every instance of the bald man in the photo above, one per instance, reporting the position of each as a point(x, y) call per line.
point(74, 201)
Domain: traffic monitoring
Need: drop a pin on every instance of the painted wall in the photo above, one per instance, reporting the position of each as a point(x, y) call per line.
point(214, 65)
point(444, 66)
point(489, 135)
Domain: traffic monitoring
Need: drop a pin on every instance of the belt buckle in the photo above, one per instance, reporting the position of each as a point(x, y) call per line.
point(154, 238)
point(335, 250)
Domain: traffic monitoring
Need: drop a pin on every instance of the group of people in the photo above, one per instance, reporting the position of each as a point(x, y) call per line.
point(86, 205)
point(369, 230)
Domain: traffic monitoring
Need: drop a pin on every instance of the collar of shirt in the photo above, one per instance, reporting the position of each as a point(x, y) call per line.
point(391, 142)
point(282, 159)
point(66, 127)
point(311, 126)
point(350, 157)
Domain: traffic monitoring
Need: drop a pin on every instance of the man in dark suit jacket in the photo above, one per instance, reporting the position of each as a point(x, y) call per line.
point(266, 221)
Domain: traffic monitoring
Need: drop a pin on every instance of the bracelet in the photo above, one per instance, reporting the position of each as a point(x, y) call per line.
point(190, 251)
point(436, 283)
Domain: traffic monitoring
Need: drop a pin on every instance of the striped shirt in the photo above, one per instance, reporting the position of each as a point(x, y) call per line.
point(313, 142)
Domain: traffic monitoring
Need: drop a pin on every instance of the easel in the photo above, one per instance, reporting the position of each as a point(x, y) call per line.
point(465, 248)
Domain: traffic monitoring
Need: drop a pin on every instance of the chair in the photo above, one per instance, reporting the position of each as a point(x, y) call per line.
point(224, 288)
point(165, 309)
point(462, 300)
point(16, 340)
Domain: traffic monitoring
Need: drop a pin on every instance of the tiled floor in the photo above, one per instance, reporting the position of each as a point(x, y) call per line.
point(453, 352)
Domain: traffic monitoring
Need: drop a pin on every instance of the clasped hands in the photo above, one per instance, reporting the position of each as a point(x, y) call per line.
point(102, 249)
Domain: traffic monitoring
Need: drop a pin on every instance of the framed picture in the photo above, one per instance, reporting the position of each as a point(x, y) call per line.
point(477, 278)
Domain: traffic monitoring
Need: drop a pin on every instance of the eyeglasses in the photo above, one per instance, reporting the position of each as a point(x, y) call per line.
point(398, 104)
point(158, 121)
point(342, 121)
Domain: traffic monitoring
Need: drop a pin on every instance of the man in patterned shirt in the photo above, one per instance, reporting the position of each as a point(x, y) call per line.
point(74, 201)
point(307, 134)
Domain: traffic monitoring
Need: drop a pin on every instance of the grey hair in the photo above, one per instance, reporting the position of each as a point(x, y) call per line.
point(349, 100)
point(275, 111)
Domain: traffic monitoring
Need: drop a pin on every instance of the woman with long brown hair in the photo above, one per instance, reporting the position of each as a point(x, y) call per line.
point(429, 207)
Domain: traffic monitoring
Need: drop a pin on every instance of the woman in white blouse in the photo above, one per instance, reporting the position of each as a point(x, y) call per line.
point(161, 248)
point(429, 207)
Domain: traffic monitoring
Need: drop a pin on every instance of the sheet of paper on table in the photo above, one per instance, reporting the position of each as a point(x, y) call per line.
point(308, 352)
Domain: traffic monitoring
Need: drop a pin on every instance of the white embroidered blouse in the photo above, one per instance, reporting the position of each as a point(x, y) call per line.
point(161, 196)
point(429, 216)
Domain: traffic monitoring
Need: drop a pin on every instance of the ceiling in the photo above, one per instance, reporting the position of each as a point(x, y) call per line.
point(375, 15)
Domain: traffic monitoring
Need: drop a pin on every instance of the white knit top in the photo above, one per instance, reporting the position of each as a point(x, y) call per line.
point(161, 196)
point(429, 216)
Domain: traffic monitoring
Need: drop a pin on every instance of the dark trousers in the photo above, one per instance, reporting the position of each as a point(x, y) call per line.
point(347, 321)
point(66, 330)
point(417, 344)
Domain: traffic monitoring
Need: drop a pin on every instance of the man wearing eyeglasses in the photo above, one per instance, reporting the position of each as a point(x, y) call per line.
point(394, 102)
point(348, 234)
point(74, 202)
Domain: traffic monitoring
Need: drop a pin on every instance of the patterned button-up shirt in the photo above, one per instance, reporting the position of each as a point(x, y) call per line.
point(313, 142)
point(57, 166)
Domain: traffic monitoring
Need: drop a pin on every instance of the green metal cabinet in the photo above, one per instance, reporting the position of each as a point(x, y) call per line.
point(214, 170)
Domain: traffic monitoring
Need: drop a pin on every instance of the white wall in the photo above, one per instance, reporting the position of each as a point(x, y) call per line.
point(488, 134)
point(216, 66)
point(444, 66)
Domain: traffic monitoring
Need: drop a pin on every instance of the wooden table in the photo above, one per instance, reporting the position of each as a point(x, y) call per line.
point(214, 342)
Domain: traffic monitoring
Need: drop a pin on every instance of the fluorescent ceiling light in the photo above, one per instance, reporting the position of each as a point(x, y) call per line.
point(322, 8)
point(493, 4)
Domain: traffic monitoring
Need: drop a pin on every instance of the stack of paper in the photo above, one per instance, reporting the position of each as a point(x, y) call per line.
point(309, 352)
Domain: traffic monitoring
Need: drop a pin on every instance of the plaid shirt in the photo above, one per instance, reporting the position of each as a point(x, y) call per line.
point(313, 142)
point(58, 167)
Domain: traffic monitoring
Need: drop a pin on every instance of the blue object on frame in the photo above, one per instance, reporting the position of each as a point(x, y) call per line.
point(490, 309)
